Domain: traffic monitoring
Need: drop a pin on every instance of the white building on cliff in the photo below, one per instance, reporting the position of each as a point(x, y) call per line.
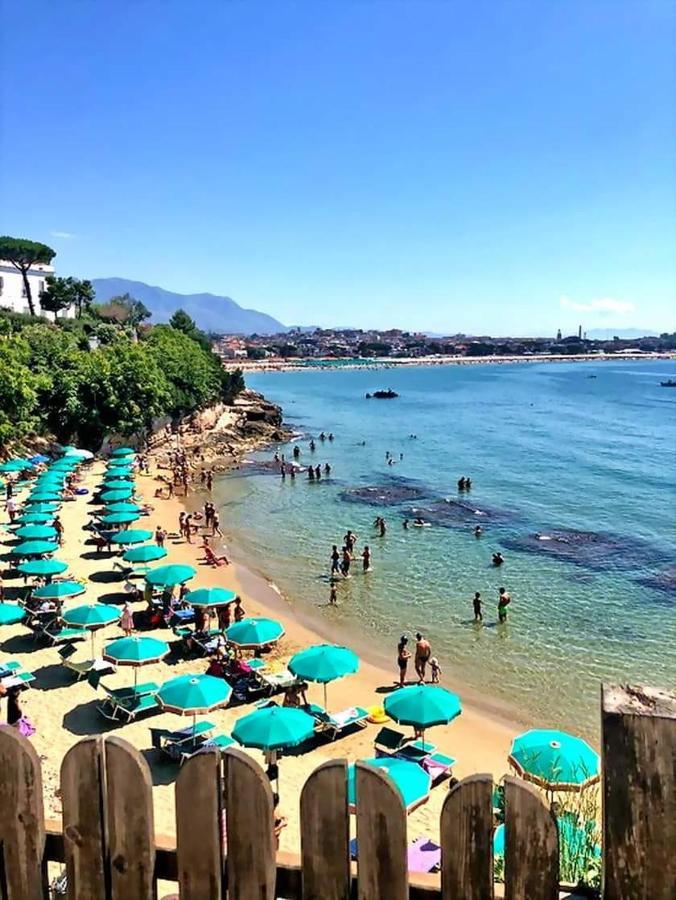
point(13, 291)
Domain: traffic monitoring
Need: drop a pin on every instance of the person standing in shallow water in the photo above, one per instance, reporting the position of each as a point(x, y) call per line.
point(503, 602)
point(335, 560)
point(366, 558)
point(478, 616)
point(333, 594)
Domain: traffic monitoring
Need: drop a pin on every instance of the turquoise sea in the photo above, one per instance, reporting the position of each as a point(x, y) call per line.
point(574, 481)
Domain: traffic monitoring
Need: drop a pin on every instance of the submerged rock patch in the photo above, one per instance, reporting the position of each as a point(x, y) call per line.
point(595, 550)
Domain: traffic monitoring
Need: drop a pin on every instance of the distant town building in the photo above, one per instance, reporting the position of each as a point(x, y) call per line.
point(558, 335)
point(13, 290)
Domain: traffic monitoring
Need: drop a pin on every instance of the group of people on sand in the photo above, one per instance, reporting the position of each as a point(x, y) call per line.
point(421, 659)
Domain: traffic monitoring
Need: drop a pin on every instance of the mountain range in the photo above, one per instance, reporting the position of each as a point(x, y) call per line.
point(211, 312)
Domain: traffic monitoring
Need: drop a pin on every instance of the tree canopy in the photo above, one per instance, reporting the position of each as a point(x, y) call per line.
point(23, 254)
point(124, 310)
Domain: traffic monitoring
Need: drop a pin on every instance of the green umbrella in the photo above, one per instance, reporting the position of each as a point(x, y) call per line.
point(42, 568)
point(35, 548)
point(123, 451)
point(15, 465)
point(255, 632)
point(114, 496)
point(11, 613)
point(120, 518)
point(116, 484)
point(192, 695)
point(555, 760)
point(43, 507)
point(91, 616)
point(411, 780)
point(135, 651)
point(131, 536)
point(36, 532)
point(274, 728)
point(214, 596)
point(168, 576)
point(122, 506)
point(147, 553)
point(323, 663)
point(38, 496)
point(35, 518)
point(59, 590)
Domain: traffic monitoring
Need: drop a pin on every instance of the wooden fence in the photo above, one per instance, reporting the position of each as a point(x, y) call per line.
point(108, 843)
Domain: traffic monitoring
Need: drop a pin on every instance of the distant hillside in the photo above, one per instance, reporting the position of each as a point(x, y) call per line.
point(212, 313)
point(625, 334)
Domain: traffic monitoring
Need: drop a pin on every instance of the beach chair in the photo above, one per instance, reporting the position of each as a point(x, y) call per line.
point(82, 668)
point(334, 724)
point(12, 674)
point(129, 703)
point(438, 766)
point(56, 634)
point(272, 682)
point(390, 742)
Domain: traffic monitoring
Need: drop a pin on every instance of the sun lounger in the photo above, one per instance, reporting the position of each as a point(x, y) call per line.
point(335, 723)
point(275, 681)
point(56, 634)
point(424, 855)
point(129, 703)
point(17, 678)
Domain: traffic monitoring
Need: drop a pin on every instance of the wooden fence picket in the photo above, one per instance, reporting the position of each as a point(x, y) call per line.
point(250, 836)
point(199, 822)
point(325, 833)
point(22, 819)
point(467, 840)
point(382, 861)
point(531, 844)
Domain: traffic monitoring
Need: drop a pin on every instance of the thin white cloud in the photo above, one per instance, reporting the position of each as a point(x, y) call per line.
point(602, 305)
point(62, 234)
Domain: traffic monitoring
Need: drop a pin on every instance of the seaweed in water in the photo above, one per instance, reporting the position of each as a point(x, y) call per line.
point(459, 514)
point(664, 582)
point(593, 550)
point(391, 494)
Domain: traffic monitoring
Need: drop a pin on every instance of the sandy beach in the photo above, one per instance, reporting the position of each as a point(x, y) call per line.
point(63, 710)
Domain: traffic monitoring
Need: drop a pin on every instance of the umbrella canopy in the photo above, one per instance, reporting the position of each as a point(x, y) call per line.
point(122, 506)
point(38, 458)
point(43, 496)
point(123, 518)
point(59, 590)
point(214, 596)
point(274, 728)
point(36, 532)
point(147, 553)
point(555, 760)
point(77, 453)
point(35, 518)
point(65, 464)
point(50, 478)
point(423, 706)
point(15, 465)
point(124, 472)
point(11, 613)
point(168, 576)
point(35, 548)
point(116, 484)
point(42, 507)
point(135, 651)
point(114, 496)
point(578, 839)
point(42, 568)
point(131, 536)
point(123, 451)
point(91, 615)
point(411, 780)
point(255, 632)
point(324, 662)
point(192, 695)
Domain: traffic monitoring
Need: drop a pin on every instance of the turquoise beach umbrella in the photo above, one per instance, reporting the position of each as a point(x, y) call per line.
point(323, 663)
point(579, 840)
point(36, 532)
point(274, 728)
point(77, 453)
point(35, 548)
point(192, 695)
point(147, 553)
point(122, 506)
point(206, 597)
point(123, 518)
point(131, 536)
point(42, 568)
point(168, 576)
point(255, 632)
point(42, 507)
point(15, 465)
point(59, 590)
point(555, 760)
point(423, 706)
point(40, 496)
point(35, 518)
point(123, 451)
point(411, 780)
point(114, 496)
point(116, 484)
point(91, 615)
point(49, 478)
point(11, 613)
point(123, 472)
point(64, 465)
point(135, 651)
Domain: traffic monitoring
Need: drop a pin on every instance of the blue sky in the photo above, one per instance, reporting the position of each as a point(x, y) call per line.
point(500, 167)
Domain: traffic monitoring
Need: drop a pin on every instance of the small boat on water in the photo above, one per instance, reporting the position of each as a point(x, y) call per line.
point(670, 382)
point(389, 394)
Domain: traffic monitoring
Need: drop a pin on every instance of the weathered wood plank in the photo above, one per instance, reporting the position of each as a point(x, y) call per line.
point(325, 833)
point(130, 824)
point(467, 840)
point(381, 837)
point(82, 781)
point(249, 809)
point(639, 793)
point(199, 824)
point(531, 845)
point(22, 819)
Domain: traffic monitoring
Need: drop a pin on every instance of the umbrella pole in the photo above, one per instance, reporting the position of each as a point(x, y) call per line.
point(135, 677)
point(325, 706)
point(194, 727)
point(92, 637)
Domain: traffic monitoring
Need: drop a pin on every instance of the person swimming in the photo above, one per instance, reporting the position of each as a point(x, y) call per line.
point(313, 446)
point(327, 469)
point(498, 559)
point(478, 531)
point(461, 484)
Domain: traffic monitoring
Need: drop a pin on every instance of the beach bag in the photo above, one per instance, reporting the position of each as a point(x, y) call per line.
point(25, 727)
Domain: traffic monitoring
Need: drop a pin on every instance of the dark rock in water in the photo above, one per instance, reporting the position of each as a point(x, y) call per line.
point(383, 495)
point(594, 550)
point(664, 581)
point(459, 513)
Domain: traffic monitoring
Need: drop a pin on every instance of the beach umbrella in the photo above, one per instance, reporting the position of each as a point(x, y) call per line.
point(35, 518)
point(15, 465)
point(124, 472)
point(250, 633)
point(64, 465)
point(123, 451)
point(168, 576)
point(136, 652)
point(193, 695)
point(36, 532)
point(131, 536)
point(147, 553)
point(555, 760)
point(114, 496)
point(43, 508)
point(50, 478)
point(323, 663)
point(42, 568)
point(11, 613)
point(122, 506)
point(423, 706)
point(411, 781)
point(577, 841)
point(38, 459)
point(116, 484)
point(77, 453)
point(35, 548)
point(206, 597)
point(59, 590)
point(43, 496)
point(274, 728)
point(91, 616)
point(123, 518)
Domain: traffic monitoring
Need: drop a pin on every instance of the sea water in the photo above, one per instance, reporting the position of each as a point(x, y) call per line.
point(574, 481)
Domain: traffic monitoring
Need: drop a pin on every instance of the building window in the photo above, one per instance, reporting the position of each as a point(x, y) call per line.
point(42, 287)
